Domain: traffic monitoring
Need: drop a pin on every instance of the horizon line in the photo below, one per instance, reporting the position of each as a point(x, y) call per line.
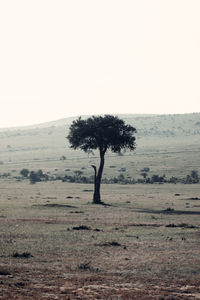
point(15, 127)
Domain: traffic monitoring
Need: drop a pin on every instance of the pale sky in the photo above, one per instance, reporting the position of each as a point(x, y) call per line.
point(61, 58)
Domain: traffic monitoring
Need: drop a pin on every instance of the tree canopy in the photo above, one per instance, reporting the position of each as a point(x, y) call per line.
point(103, 133)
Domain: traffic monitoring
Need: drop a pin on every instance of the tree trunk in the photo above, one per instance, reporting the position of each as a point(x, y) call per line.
point(97, 179)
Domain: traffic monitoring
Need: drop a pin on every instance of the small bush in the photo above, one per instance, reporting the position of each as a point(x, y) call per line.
point(169, 210)
point(173, 180)
point(84, 266)
point(114, 244)
point(122, 170)
point(22, 255)
point(157, 178)
point(81, 227)
point(37, 176)
point(63, 157)
point(34, 177)
point(145, 169)
point(24, 172)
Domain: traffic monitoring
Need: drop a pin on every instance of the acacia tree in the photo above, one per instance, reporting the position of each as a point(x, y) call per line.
point(103, 133)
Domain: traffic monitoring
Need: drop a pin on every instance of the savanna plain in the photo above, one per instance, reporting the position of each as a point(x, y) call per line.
point(56, 244)
point(143, 243)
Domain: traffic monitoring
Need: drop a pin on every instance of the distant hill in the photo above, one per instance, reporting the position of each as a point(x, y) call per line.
point(146, 124)
point(167, 144)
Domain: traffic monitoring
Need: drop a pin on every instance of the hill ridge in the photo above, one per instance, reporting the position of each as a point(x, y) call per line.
point(67, 120)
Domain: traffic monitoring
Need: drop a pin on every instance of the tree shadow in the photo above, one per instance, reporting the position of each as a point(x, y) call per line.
point(56, 205)
point(168, 212)
point(101, 203)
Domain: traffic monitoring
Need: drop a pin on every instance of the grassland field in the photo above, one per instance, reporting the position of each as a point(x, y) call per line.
point(167, 144)
point(56, 244)
point(144, 243)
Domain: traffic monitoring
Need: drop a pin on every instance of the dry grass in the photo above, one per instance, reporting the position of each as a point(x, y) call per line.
point(78, 250)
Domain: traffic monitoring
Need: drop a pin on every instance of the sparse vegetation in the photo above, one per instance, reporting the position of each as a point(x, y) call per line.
point(146, 243)
point(78, 177)
point(143, 245)
point(33, 149)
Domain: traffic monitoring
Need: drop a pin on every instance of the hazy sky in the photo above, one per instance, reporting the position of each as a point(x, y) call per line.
point(72, 57)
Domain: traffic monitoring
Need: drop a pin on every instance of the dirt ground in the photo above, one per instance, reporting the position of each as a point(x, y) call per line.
point(55, 244)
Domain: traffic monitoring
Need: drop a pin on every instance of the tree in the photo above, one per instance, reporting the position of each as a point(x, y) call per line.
point(102, 133)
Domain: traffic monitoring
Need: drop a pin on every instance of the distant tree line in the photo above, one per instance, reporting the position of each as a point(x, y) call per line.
point(79, 177)
point(34, 176)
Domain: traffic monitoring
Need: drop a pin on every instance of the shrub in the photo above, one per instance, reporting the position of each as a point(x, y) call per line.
point(145, 169)
point(40, 174)
point(144, 174)
point(37, 176)
point(157, 178)
point(122, 170)
point(195, 176)
point(173, 180)
point(24, 172)
point(5, 174)
point(192, 178)
point(121, 178)
point(78, 173)
point(140, 180)
point(63, 157)
point(34, 177)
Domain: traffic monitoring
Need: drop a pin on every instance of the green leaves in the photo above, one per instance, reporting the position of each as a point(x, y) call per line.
point(103, 133)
